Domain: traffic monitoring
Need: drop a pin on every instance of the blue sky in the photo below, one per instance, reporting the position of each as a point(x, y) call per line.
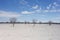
point(27, 10)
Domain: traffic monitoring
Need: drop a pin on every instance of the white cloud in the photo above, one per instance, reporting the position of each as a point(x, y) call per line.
point(23, 2)
point(52, 7)
point(55, 3)
point(39, 11)
point(49, 6)
point(35, 7)
point(8, 14)
point(51, 11)
point(45, 10)
point(26, 12)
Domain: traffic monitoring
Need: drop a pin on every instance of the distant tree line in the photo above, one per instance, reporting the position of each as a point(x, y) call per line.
point(14, 21)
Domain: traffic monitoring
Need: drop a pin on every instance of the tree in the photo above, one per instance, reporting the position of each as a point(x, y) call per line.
point(13, 20)
point(50, 22)
point(40, 22)
point(25, 22)
point(34, 22)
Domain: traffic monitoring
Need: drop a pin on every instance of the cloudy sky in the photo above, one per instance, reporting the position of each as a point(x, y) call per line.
point(27, 10)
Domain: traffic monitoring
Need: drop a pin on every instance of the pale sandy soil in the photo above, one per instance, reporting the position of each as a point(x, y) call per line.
point(29, 32)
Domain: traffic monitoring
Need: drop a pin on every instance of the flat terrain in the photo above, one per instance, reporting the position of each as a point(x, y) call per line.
point(29, 32)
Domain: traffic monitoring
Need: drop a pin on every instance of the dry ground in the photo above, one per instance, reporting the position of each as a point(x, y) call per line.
point(29, 32)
